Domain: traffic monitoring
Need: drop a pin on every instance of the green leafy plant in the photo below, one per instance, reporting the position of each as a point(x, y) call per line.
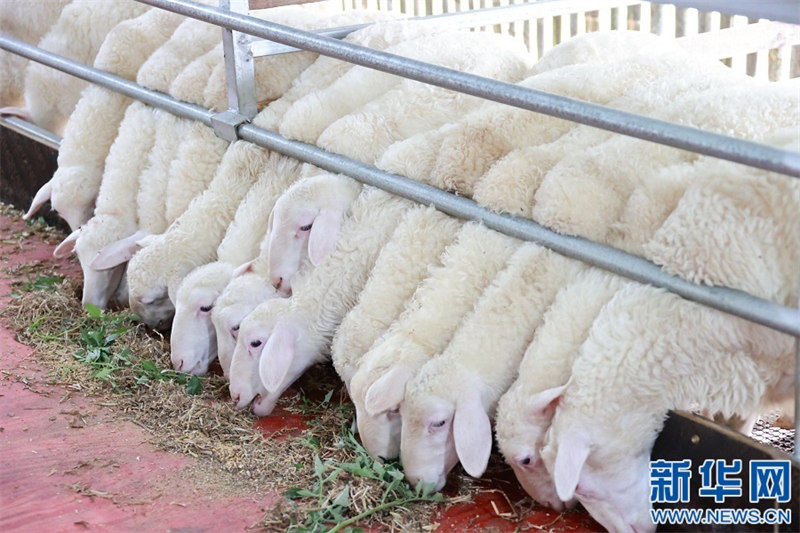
point(332, 511)
point(98, 349)
point(37, 283)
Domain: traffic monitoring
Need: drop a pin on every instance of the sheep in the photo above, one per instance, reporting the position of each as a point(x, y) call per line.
point(153, 149)
point(511, 183)
point(239, 297)
point(412, 107)
point(747, 109)
point(728, 212)
point(151, 294)
point(308, 216)
point(442, 424)
point(460, 161)
point(79, 32)
point(425, 326)
point(193, 336)
point(202, 345)
point(650, 351)
point(113, 217)
point(19, 21)
point(740, 367)
point(361, 84)
point(525, 411)
point(403, 111)
point(93, 125)
point(281, 338)
point(415, 246)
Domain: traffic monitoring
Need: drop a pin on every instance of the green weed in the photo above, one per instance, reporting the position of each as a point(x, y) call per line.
point(99, 350)
point(333, 511)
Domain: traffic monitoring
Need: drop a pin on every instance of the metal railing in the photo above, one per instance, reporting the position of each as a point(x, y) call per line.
point(778, 317)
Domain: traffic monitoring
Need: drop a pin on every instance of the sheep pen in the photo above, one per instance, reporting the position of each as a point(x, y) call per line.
point(278, 442)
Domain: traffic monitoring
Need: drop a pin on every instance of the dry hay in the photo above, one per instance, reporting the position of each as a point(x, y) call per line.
point(233, 455)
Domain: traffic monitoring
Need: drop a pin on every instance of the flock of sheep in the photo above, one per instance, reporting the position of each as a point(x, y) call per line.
point(445, 333)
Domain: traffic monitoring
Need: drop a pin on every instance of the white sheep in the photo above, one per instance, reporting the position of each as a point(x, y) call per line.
point(19, 21)
point(512, 182)
point(93, 125)
point(115, 214)
point(746, 110)
point(305, 222)
point(425, 326)
point(525, 411)
point(443, 424)
point(360, 85)
point(649, 351)
point(282, 338)
point(160, 268)
point(460, 161)
point(412, 107)
point(193, 341)
point(82, 26)
point(239, 297)
point(735, 226)
point(414, 248)
point(201, 346)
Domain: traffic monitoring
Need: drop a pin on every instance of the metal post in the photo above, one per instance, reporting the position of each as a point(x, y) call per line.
point(239, 68)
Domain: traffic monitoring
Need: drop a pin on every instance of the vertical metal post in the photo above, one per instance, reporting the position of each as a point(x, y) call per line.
point(797, 392)
point(239, 67)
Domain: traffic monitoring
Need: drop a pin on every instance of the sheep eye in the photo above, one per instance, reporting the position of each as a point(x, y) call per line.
point(525, 462)
point(306, 227)
point(255, 344)
point(438, 424)
point(206, 308)
point(235, 328)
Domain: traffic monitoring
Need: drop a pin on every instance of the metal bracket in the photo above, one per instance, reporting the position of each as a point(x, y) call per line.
point(225, 124)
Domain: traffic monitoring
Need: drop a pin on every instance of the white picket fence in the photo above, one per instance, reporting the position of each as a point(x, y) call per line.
point(757, 47)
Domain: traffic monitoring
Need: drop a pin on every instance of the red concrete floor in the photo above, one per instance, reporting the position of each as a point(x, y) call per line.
point(67, 464)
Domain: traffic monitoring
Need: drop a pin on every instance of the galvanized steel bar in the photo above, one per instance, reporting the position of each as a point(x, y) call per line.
point(239, 67)
point(109, 81)
point(732, 301)
point(31, 131)
point(778, 10)
point(462, 19)
point(683, 137)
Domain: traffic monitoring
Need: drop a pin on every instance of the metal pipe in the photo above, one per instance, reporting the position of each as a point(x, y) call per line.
point(31, 131)
point(107, 80)
point(778, 10)
point(732, 301)
point(462, 19)
point(683, 137)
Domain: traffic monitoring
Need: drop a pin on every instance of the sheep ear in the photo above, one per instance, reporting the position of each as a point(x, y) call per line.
point(387, 391)
point(118, 252)
point(21, 112)
point(276, 359)
point(242, 269)
point(323, 235)
point(42, 197)
point(573, 451)
point(67, 246)
point(544, 403)
point(270, 221)
point(472, 434)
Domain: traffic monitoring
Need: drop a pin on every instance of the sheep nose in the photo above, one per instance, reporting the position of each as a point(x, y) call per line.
point(236, 400)
point(180, 365)
point(276, 282)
